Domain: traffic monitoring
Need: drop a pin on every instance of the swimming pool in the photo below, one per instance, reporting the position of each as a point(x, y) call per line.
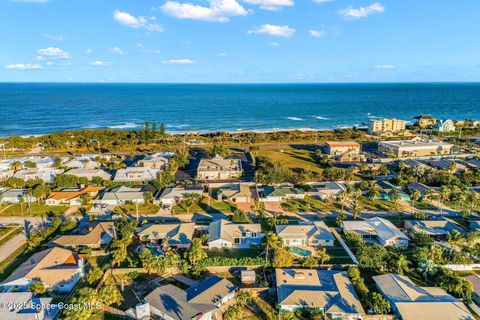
point(300, 252)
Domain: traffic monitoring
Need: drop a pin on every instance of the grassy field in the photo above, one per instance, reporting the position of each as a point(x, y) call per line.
point(310, 204)
point(35, 209)
point(205, 207)
point(293, 158)
point(338, 255)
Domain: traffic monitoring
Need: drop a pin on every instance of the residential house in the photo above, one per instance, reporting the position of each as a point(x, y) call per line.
point(121, 195)
point(329, 291)
point(414, 148)
point(411, 302)
point(89, 173)
point(83, 162)
point(445, 126)
point(198, 302)
point(425, 121)
point(25, 306)
point(178, 235)
point(172, 196)
point(226, 234)
point(45, 174)
point(447, 164)
point(156, 161)
point(238, 192)
point(219, 168)
point(344, 150)
point(387, 189)
point(99, 235)
point(136, 174)
point(438, 229)
point(378, 230)
point(279, 194)
point(420, 187)
point(382, 126)
point(473, 163)
point(14, 196)
point(72, 197)
point(57, 268)
point(325, 190)
point(315, 234)
point(39, 162)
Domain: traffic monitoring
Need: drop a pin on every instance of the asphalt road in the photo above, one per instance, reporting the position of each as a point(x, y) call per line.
point(12, 245)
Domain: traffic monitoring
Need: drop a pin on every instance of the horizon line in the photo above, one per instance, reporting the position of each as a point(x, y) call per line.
point(241, 83)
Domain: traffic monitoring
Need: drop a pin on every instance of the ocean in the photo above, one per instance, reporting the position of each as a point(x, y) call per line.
point(39, 108)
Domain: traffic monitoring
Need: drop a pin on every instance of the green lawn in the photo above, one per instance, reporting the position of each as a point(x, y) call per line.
point(143, 209)
point(293, 158)
point(8, 233)
point(310, 204)
point(35, 209)
point(205, 206)
point(338, 255)
point(379, 205)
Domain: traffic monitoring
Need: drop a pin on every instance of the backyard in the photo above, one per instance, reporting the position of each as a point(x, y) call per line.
point(206, 205)
point(293, 158)
point(34, 209)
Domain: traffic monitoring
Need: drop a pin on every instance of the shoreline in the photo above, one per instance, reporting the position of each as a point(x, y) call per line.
point(195, 132)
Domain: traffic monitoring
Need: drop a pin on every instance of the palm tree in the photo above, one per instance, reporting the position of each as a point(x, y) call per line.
point(426, 268)
point(394, 195)
point(323, 256)
point(344, 198)
point(414, 197)
point(418, 172)
point(374, 191)
point(445, 193)
point(401, 264)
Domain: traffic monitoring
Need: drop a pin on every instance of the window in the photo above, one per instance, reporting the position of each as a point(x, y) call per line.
point(254, 234)
point(237, 240)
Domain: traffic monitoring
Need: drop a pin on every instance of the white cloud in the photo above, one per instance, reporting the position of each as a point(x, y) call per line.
point(351, 13)
point(98, 63)
point(317, 33)
point(385, 66)
point(54, 53)
point(128, 20)
point(179, 61)
point(23, 66)
point(275, 44)
point(88, 51)
point(271, 5)
point(221, 54)
point(117, 51)
point(218, 11)
point(273, 30)
point(323, 1)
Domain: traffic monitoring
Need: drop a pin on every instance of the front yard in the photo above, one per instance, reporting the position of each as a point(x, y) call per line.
point(32, 210)
point(205, 206)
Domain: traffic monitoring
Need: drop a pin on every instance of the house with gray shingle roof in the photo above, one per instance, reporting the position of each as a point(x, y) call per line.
point(179, 235)
point(378, 230)
point(310, 234)
point(327, 290)
point(411, 302)
point(120, 195)
point(279, 194)
point(226, 234)
point(197, 302)
point(438, 229)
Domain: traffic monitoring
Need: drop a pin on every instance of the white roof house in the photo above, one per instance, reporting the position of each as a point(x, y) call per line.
point(325, 190)
point(45, 174)
point(40, 162)
point(327, 290)
point(226, 234)
point(84, 161)
point(440, 228)
point(445, 126)
point(14, 196)
point(415, 147)
point(378, 229)
point(5, 174)
point(310, 234)
point(172, 196)
point(136, 174)
point(411, 302)
point(89, 173)
point(156, 161)
point(121, 195)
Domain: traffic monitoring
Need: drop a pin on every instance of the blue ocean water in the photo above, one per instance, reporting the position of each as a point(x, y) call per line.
point(27, 109)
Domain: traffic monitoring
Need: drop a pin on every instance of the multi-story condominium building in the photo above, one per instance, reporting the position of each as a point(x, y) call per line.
point(379, 126)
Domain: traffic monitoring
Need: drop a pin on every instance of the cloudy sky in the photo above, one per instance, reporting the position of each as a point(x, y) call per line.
point(239, 40)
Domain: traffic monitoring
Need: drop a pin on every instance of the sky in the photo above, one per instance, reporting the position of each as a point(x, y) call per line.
point(238, 41)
